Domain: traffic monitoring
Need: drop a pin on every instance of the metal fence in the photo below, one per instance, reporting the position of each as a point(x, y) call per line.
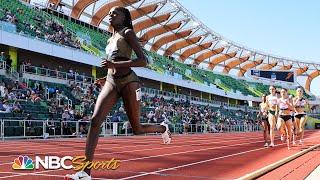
point(31, 129)
point(56, 74)
point(168, 94)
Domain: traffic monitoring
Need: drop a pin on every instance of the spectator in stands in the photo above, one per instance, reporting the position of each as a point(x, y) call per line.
point(19, 11)
point(65, 115)
point(116, 117)
point(2, 108)
point(150, 117)
point(17, 108)
point(47, 36)
point(14, 20)
point(78, 116)
point(17, 85)
point(77, 44)
point(76, 92)
point(7, 106)
point(67, 128)
point(8, 16)
point(52, 92)
point(12, 96)
point(70, 74)
point(34, 97)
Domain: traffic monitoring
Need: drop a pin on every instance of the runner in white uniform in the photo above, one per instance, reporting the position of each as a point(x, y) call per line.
point(285, 107)
point(272, 101)
point(300, 104)
point(263, 116)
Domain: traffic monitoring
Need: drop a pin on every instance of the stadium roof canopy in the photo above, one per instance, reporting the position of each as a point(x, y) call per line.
point(166, 27)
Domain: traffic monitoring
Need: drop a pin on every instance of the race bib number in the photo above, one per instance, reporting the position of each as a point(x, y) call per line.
point(138, 94)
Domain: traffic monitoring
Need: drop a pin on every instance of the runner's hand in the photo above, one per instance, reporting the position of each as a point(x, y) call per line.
point(107, 64)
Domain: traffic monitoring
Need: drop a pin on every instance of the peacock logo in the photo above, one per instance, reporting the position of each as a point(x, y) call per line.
point(23, 162)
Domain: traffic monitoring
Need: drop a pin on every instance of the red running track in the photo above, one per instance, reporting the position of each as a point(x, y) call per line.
point(201, 156)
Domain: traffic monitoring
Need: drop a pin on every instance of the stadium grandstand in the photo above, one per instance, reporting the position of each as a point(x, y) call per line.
point(187, 60)
point(51, 52)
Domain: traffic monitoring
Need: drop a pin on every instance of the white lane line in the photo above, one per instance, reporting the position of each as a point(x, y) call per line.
point(264, 170)
point(200, 162)
point(146, 157)
point(155, 172)
point(190, 140)
point(147, 149)
point(15, 174)
point(314, 175)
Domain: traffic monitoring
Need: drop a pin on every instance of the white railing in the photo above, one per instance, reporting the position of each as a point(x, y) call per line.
point(47, 93)
point(10, 71)
point(167, 94)
point(3, 64)
point(2, 129)
point(56, 74)
point(69, 103)
point(24, 129)
point(14, 73)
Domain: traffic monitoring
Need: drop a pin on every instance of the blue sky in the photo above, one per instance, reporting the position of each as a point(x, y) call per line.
point(285, 28)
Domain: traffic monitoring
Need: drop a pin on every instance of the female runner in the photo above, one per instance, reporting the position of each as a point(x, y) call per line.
point(300, 104)
point(272, 102)
point(263, 114)
point(285, 107)
point(121, 81)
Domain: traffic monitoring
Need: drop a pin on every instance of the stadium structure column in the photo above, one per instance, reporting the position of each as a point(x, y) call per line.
point(94, 72)
point(175, 88)
point(13, 52)
point(161, 86)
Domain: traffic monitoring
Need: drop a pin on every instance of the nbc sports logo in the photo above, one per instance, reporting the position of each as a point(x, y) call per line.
point(55, 162)
point(23, 162)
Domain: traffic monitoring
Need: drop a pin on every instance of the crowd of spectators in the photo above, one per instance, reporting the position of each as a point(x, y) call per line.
point(12, 91)
point(52, 31)
point(160, 109)
point(41, 27)
point(183, 112)
point(191, 117)
point(10, 16)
